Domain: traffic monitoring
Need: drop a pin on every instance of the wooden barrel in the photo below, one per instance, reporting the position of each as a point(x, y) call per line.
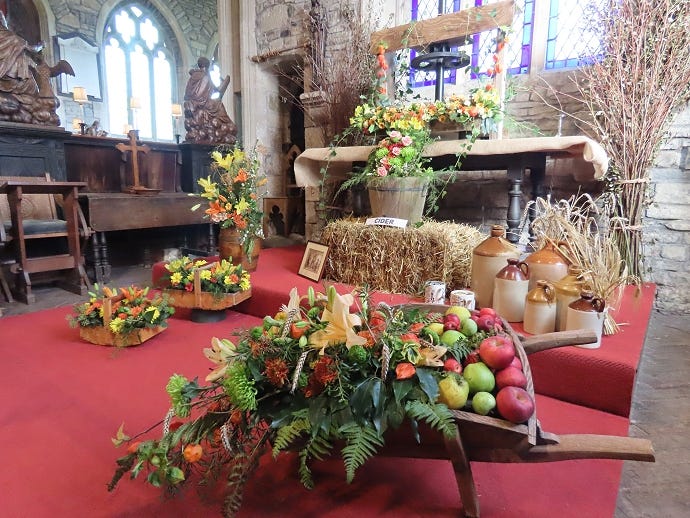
point(231, 248)
point(402, 198)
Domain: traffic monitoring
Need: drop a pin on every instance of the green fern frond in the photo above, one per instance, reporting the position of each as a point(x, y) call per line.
point(435, 415)
point(287, 434)
point(362, 442)
point(319, 447)
point(237, 478)
point(304, 472)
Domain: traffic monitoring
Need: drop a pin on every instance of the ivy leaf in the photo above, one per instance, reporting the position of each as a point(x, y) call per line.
point(401, 389)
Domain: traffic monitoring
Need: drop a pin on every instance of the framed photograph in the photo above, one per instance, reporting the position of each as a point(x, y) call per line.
point(313, 261)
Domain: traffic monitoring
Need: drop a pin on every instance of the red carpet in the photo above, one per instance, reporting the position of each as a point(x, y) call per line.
point(64, 399)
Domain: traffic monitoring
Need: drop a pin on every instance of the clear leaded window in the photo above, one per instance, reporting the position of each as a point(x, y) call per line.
point(571, 42)
point(139, 74)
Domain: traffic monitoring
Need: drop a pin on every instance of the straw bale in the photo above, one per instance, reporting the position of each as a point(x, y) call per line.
point(400, 260)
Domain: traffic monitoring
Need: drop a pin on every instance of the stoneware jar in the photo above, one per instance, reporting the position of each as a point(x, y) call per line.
point(510, 289)
point(546, 264)
point(587, 312)
point(567, 290)
point(488, 258)
point(540, 309)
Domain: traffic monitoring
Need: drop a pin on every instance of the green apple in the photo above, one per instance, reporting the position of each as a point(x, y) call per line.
point(435, 327)
point(483, 402)
point(453, 391)
point(448, 338)
point(479, 377)
point(469, 327)
point(460, 311)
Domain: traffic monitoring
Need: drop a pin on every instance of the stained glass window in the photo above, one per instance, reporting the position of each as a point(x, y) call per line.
point(139, 74)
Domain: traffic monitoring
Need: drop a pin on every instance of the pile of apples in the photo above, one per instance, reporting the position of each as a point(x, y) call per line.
point(491, 378)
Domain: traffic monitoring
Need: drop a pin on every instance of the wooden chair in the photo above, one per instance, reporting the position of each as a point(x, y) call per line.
point(30, 211)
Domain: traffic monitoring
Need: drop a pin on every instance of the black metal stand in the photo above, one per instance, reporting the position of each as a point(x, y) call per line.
point(440, 58)
point(207, 316)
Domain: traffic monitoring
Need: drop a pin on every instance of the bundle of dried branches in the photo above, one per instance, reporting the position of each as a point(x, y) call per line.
point(576, 228)
point(642, 77)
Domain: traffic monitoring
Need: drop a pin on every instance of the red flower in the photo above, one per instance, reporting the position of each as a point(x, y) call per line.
point(325, 370)
point(276, 371)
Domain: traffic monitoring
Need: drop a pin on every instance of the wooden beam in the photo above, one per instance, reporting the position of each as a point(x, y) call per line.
point(451, 28)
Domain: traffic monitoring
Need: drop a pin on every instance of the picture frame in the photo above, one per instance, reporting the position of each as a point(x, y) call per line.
point(313, 261)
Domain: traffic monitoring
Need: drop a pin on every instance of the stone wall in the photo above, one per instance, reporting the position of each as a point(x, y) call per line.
point(667, 221)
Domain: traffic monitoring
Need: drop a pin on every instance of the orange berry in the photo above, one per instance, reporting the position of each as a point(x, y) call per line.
point(192, 452)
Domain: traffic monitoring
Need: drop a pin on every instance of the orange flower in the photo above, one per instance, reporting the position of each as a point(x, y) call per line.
point(325, 370)
point(214, 207)
point(370, 338)
point(242, 176)
point(276, 371)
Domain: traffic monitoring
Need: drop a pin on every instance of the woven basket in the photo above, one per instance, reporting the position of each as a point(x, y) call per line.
point(101, 335)
point(197, 299)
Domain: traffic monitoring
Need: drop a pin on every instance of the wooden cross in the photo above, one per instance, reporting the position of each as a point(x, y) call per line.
point(451, 28)
point(135, 149)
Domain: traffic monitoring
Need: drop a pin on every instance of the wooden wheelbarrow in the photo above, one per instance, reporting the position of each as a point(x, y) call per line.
point(488, 439)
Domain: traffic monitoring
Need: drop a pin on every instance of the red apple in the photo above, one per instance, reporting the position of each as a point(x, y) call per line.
point(516, 363)
point(497, 351)
point(452, 365)
point(514, 404)
point(510, 377)
point(486, 323)
point(451, 321)
point(487, 311)
point(473, 357)
point(474, 313)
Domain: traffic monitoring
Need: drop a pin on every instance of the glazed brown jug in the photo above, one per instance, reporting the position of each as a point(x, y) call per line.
point(488, 258)
point(568, 290)
point(546, 264)
point(587, 312)
point(540, 309)
point(510, 289)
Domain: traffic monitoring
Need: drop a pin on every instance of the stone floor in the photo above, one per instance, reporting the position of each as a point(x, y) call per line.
point(661, 405)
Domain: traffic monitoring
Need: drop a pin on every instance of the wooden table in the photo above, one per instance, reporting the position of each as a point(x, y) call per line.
point(106, 211)
point(580, 156)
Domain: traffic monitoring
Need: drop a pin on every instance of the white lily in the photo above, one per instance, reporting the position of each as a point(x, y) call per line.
point(221, 352)
point(340, 324)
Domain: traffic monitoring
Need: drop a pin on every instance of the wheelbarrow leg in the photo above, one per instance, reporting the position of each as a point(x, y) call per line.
point(463, 475)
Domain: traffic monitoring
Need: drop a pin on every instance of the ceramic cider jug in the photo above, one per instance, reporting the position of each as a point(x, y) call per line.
point(568, 290)
point(547, 264)
point(587, 312)
point(488, 258)
point(510, 289)
point(540, 309)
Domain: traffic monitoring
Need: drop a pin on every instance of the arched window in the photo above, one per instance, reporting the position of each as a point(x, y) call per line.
point(139, 74)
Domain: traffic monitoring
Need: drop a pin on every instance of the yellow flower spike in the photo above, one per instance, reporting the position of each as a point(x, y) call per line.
point(242, 206)
point(340, 324)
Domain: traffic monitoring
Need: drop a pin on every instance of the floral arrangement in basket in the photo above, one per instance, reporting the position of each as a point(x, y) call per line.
point(314, 374)
point(207, 285)
point(118, 315)
point(217, 278)
point(234, 193)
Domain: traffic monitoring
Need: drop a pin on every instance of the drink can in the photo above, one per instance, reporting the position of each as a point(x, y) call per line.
point(435, 292)
point(464, 298)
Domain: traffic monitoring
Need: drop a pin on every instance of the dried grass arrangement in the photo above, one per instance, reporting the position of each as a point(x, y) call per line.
point(575, 226)
point(400, 260)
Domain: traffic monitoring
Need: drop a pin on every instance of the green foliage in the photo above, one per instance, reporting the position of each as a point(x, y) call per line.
point(436, 415)
point(239, 387)
point(362, 442)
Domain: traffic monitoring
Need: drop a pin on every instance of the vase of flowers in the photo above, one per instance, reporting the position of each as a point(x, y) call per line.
point(121, 317)
point(234, 193)
point(210, 286)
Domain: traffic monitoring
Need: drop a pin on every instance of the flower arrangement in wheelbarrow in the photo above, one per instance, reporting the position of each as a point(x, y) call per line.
point(313, 376)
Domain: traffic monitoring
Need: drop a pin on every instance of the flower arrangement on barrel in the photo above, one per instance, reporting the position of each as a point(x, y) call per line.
point(320, 374)
point(127, 316)
point(401, 130)
point(198, 283)
point(233, 193)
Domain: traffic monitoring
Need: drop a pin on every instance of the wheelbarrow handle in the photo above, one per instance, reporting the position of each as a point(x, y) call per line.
point(536, 343)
